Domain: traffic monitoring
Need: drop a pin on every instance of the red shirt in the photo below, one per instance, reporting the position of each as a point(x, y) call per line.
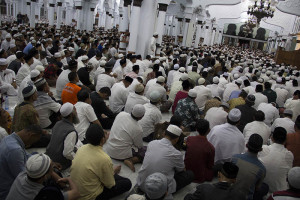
point(179, 95)
point(199, 158)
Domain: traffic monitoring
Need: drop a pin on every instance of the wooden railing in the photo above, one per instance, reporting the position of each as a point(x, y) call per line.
point(288, 57)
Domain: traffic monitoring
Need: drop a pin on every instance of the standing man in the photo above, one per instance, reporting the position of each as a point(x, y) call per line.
point(152, 45)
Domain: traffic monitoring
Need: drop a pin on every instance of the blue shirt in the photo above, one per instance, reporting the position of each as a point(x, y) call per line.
point(235, 94)
point(100, 47)
point(12, 161)
point(27, 48)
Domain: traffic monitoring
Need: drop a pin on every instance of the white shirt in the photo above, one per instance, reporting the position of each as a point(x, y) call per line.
point(86, 115)
point(159, 88)
point(100, 70)
point(227, 140)
point(282, 95)
point(176, 87)
point(69, 144)
point(216, 116)
point(125, 134)
point(278, 161)
point(25, 82)
point(249, 90)
point(35, 63)
point(3, 133)
point(6, 79)
point(257, 127)
point(61, 81)
point(120, 73)
point(285, 123)
point(134, 99)
point(293, 105)
point(152, 46)
point(203, 94)
point(216, 90)
point(151, 118)
point(104, 80)
point(170, 78)
point(230, 87)
point(271, 113)
point(45, 111)
point(22, 73)
point(259, 98)
point(176, 76)
point(5, 44)
point(118, 97)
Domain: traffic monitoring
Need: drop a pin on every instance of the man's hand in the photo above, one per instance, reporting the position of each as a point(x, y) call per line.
point(14, 84)
point(117, 169)
point(57, 165)
point(50, 94)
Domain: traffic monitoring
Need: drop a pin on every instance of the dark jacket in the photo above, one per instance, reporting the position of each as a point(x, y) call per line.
point(217, 191)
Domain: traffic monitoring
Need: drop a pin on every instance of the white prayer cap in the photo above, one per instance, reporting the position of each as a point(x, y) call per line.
point(7, 36)
point(263, 70)
point(287, 78)
point(234, 115)
point(155, 96)
point(66, 109)
point(103, 58)
point(288, 112)
point(139, 88)
point(156, 185)
point(84, 58)
point(201, 81)
point(34, 73)
point(236, 76)
point(3, 61)
point(71, 49)
point(268, 72)
point(156, 61)
point(155, 34)
point(138, 110)
point(176, 66)
point(182, 69)
point(62, 53)
point(39, 82)
point(216, 80)
point(161, 59)
point(37, 165)
point(40, 68)
point(120, 55)
point(174, 130)
point(192, 93)
point(57, 55)
point(184, 77)
point(279, 80)
point(294, 177)
point(160, 79)
point(102, 63)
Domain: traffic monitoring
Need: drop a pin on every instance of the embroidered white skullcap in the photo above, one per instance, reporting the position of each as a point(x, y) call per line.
point(57, 55)
point(138, 110)
point(201, 81)
point(66, 109)
point(40, 68)
point(192, 93)
point(37, 165)
point(120, 55)
point(28, 91)
point(216, 80)
point(34, 73)
point(176, 66)
point(139, 88)
point(294, 177)
point(160, 79)
point(156, 185)
point(184, 77)
point(182, 69)
point(235, 115)
point(236, 76)
point(155, 96)
point(84, 58)
point(3, 61)
point(174, 129)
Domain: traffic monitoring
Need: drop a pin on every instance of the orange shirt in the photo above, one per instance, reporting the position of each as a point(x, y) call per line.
point(69, 93)
point(293, 145)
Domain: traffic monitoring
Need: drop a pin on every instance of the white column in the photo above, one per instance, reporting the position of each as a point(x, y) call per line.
point(207, 34)
point(134, 26)
point(146, 26)
point(90, 22)
point(28, 9)
point(124, 19)
point(213, 37)
point(178, 27)
point(7, 9)
point(51, 13)
point(107, 21)
point(167, 30)
point(185, 30)
point(171, 33)
point(79, 17)
point(14, 9)
point(32, 14)
point(160, 24)
point(59, 15)
point(99, 18)
point(198, 34)
point(69, 15)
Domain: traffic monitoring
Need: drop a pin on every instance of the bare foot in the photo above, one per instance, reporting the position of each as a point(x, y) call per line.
point(129, 164)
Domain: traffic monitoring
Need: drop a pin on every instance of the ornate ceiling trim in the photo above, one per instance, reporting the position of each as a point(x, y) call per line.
point(290, 7)
point(222, 3)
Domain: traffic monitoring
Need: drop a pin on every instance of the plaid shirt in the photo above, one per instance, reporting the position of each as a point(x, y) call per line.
point(50, 71)
point(188, 110)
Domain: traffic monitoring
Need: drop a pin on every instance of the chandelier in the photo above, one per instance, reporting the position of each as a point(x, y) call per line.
point(261, 10)
point(249, 25)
